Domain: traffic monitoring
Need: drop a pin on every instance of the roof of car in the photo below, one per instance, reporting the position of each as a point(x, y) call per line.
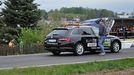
point(72, 27)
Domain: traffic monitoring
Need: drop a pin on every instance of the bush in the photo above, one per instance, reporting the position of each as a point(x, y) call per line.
point(31, 36)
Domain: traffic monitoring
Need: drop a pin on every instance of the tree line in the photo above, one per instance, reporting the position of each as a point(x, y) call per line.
point(83, 13)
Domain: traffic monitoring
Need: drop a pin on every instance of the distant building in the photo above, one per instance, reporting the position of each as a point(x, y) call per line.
point(124, 15)
point(128, 23)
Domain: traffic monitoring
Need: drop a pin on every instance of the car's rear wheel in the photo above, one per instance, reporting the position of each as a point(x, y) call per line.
point(79, 49)
point(56, 52)
point(115, 47)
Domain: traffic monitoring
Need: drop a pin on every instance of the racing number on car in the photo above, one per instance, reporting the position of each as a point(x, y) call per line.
point(107, 42)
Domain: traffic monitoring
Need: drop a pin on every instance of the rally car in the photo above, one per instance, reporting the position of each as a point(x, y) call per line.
point(78, 39)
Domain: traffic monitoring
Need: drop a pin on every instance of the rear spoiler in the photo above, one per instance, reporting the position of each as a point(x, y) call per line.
point(60, 28)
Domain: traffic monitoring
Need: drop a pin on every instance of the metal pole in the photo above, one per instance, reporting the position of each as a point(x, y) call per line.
point(123, 29)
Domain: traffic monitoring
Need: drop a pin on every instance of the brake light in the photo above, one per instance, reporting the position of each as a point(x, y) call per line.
point(67, 39)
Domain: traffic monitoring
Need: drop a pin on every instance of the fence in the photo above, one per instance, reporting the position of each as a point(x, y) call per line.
point(16, 50)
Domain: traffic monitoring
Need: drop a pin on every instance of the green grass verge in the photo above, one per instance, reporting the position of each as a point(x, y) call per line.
point(74, 68)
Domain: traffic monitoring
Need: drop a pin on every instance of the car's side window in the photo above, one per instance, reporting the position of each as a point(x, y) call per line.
point(95, 30)
point(75, 32)
point(87, 31)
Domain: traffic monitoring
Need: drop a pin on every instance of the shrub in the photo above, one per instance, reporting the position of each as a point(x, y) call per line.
point(31, 36)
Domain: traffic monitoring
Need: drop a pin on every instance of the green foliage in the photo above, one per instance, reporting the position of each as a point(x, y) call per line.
point(74, 10)
point(31, 36)
point(7, 34)
point(44, 14)
point(1, 23)
point(84, 13)
point(17, 12)
point(21, 12)
point(73, 69)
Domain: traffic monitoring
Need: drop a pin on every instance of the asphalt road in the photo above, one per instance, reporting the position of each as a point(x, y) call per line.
point(67, 58)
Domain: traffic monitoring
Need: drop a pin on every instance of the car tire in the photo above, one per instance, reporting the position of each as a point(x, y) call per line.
point(115, 47)
point(79, 49)
point(56, 53)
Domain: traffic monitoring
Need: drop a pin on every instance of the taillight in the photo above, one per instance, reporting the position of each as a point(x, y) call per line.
point(67, 39)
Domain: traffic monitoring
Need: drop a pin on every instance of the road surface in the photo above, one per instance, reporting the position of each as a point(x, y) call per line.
point(47, 59)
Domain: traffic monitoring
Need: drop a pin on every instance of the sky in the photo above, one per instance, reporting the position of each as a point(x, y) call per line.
point(114, 5)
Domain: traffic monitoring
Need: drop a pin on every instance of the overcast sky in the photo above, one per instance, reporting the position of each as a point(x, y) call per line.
point(114, 5)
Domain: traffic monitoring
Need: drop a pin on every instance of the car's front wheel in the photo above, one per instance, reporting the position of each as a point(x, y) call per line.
point(79, 49)
point(115, 47)
point(56, 53)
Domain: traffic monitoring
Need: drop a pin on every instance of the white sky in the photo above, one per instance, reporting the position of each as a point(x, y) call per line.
point(114, 5)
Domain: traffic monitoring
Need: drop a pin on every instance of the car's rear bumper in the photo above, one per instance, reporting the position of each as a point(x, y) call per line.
point(62, 48)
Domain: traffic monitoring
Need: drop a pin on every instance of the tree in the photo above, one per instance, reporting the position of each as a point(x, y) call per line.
point(17, 12)
point(84, 13)
point(44, 14)
point(105, 13)
point(21, 12)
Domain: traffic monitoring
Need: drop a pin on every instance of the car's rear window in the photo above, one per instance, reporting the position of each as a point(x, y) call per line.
point(58, 32)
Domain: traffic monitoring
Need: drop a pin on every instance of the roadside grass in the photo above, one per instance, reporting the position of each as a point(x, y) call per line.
point(121, 64)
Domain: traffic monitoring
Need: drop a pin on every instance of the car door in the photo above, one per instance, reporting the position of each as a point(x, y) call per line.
point(89, 38)
point(96, 32)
